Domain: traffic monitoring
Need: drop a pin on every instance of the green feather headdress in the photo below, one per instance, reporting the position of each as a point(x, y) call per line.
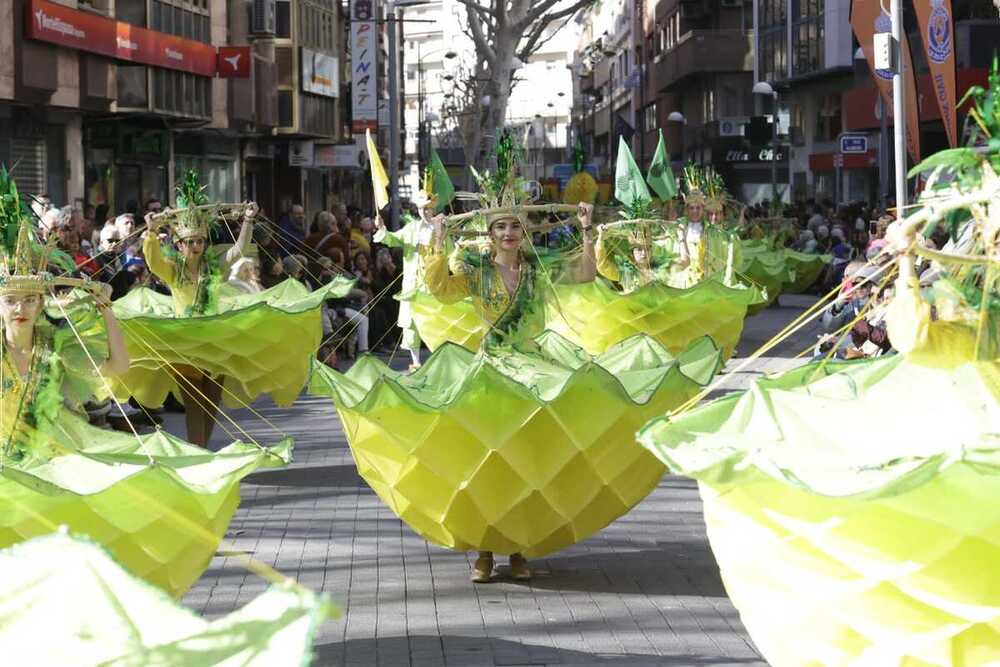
point(24, 262)
point(192, 220)
point(503, 188)
point(694, 184)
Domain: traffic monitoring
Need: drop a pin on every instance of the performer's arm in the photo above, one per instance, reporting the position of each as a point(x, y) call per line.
point(118, 361)
point(587, 270)
point(242, 244)
point(153, 253)
point(605, 264)
point(445, 286)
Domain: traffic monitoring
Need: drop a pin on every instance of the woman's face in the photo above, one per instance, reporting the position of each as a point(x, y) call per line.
point(192, 247)
point(361, 262)
point(247, 272)
point(640, 255)
point(507, 234)
point(20, 310)
point(695, 212)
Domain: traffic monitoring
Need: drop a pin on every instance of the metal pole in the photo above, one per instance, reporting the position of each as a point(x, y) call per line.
point(898, 105)
point(774, 150)
point(393, 117)
point(883, 153)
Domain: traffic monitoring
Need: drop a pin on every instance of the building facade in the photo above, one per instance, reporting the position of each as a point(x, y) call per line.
point(108, 102)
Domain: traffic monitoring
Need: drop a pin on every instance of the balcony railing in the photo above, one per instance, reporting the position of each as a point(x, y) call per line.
point(704, 51)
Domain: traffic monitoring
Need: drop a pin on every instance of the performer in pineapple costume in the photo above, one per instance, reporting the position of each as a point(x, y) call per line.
point(208, 340)
point(706, 249)
point(527, 445)
point(159, 504)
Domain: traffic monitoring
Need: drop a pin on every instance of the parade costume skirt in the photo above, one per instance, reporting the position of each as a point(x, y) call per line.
point(438, 323)
point(260, 343)
point(65, 601)
point(853, 509)
point(804, 269)
point(157, 503)
point(595, 316)
point(513, 451)
point(778, 271)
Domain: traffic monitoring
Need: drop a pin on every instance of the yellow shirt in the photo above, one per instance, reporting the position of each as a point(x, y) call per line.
point(185, 291)
point(489, 294)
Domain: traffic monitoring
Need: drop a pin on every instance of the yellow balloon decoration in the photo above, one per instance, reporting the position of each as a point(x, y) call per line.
point(580, 188)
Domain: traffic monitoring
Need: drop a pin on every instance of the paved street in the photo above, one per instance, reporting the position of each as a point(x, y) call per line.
point(644, 591)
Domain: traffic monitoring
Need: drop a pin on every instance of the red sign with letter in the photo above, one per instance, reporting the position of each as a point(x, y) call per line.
point(234, 62)
point(49, 22)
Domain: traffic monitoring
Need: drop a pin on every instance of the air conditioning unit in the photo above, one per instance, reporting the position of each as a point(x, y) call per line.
point(732, 127)
point(263, 21)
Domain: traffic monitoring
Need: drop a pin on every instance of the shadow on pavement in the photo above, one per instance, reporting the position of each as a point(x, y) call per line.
point(647, 572)
point(458, 651)
point(330, 475)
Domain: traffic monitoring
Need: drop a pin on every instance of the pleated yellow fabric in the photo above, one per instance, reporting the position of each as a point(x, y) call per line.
point(596, 317)
point(512, 451)
point(246, 342)
point(853, 507)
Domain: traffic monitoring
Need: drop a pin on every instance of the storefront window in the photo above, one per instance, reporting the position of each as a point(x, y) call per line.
point(218, 175)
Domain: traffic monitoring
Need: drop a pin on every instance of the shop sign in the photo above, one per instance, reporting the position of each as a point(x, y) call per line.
point(300, 153)
point(341, 156)
point(364, 46)
point(853, 143)
point(75, 29)
point(762, 155)
point(234, 62)
point(319, 73)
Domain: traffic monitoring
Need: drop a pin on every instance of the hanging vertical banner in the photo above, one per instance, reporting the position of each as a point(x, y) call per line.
point(867, 18)
point(937, 30)
point(364, 46)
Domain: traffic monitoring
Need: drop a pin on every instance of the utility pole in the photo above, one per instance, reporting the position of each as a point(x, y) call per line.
point(393, 116)
point(898, 104)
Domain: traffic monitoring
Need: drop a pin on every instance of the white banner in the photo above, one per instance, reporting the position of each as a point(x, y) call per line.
point(364, 46)
point(300, 153)
point(319, 74)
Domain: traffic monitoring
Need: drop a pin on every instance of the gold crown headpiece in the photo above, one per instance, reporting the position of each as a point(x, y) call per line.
point(192, 218)
point(25, 271)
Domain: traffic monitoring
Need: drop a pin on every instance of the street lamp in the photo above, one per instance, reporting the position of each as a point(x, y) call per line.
point(678, 117)
point(423, 140)
point(766, 89)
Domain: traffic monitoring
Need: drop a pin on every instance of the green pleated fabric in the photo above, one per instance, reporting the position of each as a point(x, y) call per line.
point(246, 342)
point(509, 450)
point(853, 509)
point(777, 271)
point(157, 503)
point(596, 317)
point(65, 601)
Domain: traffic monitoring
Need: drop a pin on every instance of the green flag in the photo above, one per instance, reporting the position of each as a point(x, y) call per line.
point(441, 184)
point(661, 176)
point(630, 189)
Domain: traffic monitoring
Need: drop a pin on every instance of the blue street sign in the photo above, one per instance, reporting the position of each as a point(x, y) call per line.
point(853, 143)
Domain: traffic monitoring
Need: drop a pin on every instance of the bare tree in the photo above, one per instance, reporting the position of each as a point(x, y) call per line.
point(504, 31)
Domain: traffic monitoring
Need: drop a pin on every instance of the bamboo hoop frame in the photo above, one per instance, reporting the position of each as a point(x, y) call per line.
point(222, 210)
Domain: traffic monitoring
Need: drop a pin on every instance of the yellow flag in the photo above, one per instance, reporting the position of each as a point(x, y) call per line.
point(380, 182)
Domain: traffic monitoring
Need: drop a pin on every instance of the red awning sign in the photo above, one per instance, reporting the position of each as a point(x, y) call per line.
point(93, 33)
point(234, 62)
